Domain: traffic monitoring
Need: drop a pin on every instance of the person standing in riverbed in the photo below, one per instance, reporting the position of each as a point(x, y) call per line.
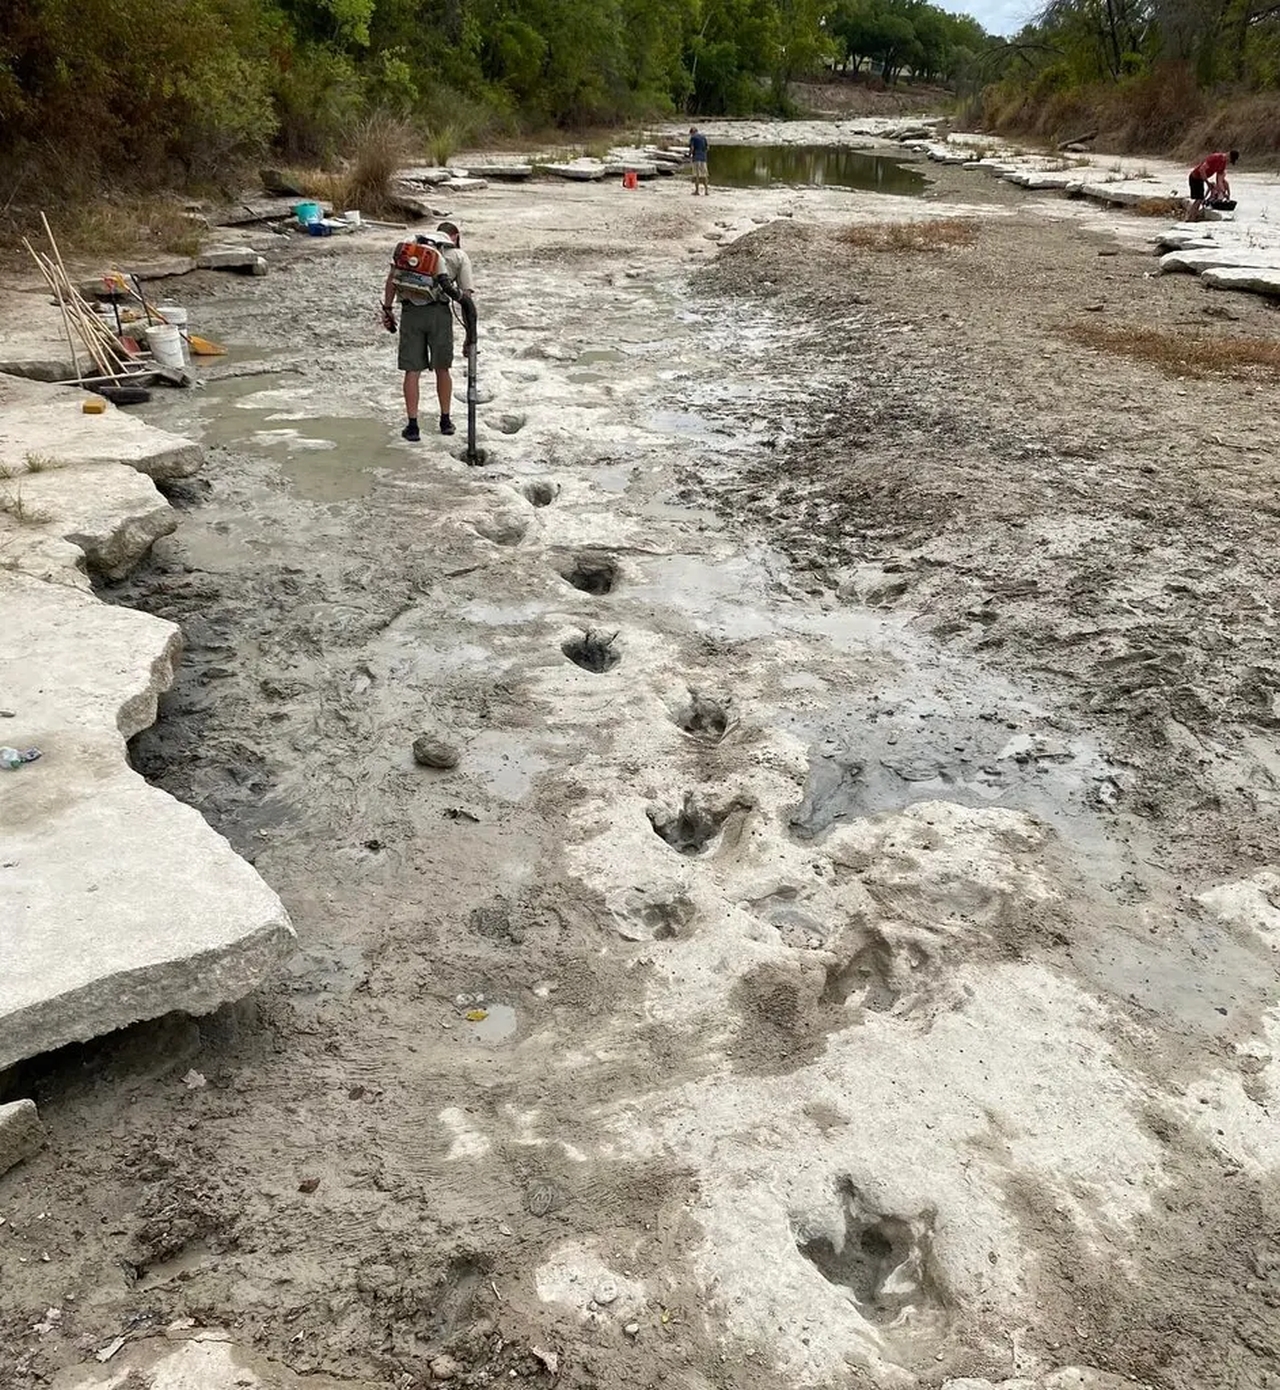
point(698, 147)
point(427, 276)
point(1211, 167)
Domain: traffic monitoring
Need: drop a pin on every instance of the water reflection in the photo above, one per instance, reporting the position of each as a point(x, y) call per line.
point(830, 166)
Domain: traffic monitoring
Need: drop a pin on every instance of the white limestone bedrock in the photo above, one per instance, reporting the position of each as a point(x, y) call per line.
point(117, 902)
point(1259, 280)
point(77, 491)
point(48, 421)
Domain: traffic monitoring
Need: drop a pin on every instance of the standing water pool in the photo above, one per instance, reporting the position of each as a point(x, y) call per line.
point(827, 166)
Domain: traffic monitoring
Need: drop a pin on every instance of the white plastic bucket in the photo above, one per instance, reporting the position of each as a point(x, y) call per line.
point(171, 313)
point(352, 218)
point(166, 345)
point(175, 316)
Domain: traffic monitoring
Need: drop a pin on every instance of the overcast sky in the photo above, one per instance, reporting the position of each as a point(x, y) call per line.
point(996, 16)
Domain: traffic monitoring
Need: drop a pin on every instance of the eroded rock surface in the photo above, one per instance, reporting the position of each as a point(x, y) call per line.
point(121, 903)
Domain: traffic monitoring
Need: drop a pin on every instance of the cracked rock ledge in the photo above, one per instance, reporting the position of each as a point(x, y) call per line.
point(119, 902)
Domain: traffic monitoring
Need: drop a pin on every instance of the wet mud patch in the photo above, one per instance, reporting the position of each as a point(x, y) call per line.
point(592, 574)
point(593, 651)
point(694, 825)
point(182, 1206)
point(541, 493)
point(782, 1018)
point(872, 977)
point(1193, 1303)
point(796, 926)
point(832, 793)
point(704, 717)
point(658, 912)
point(884, 1260)
point(787, 1008)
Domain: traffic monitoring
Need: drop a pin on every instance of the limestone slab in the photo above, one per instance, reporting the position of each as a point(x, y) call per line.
point(642, 169)
point(242, 258)
point(578, 170)
point(120, 903)
point(1196, 260)
point(1116, 194)
point(1184, 239)
point(49, 422)
point(505, 173)
point(21, 1133)
point(1252, 281)
point(110, 513)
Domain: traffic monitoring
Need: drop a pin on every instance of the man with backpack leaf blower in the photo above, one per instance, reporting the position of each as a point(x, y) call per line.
point(428, 275)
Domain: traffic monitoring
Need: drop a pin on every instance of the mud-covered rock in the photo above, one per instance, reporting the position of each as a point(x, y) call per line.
point(430, 750)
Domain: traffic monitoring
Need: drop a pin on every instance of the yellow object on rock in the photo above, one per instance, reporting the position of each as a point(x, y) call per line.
point(477, 1015)
point(95, 405)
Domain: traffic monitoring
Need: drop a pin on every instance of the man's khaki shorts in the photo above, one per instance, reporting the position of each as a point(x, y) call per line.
point(699, 168)
point(426, 337)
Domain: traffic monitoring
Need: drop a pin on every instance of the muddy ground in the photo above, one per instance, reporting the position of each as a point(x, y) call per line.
point(858, 1007)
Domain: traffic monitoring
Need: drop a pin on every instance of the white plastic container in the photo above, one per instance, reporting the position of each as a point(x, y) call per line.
point(352, 218)
point(165, 342)
point(177, 316)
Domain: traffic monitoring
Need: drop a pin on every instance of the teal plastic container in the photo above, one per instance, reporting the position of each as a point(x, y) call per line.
point(306, 213)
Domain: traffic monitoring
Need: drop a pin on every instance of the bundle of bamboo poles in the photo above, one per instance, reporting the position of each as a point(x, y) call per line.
point(106, 354)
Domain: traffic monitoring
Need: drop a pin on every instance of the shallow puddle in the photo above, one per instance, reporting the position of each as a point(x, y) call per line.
point(823, 166)
point(492, 1024)
point(327, 456)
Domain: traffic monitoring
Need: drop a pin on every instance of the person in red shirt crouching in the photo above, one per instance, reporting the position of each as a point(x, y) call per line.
point(1211, 170)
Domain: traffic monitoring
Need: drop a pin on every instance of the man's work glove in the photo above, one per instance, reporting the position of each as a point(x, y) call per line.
point(388, 318)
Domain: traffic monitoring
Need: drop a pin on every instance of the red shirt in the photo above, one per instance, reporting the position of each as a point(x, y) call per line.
point(1211, 166)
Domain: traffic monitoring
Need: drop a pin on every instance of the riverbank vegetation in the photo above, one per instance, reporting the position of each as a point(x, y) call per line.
point(180, 93)
point(1142, 76)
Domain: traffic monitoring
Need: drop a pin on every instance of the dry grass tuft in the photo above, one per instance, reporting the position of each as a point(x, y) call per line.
point(15, 505)
point(324, 185)
point(1159, 207)
point(42, 463)
point(442, 141)
point(381, 145)
point(941, 234)
point(100, 227)
point(1187, 354)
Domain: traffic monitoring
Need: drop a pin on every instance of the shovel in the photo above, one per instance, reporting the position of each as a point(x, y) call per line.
point(475, 457)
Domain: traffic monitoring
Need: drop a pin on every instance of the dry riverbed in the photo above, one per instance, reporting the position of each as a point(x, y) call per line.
point(841, 986)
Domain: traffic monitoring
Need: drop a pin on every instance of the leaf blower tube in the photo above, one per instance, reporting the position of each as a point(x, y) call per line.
point(474, 456)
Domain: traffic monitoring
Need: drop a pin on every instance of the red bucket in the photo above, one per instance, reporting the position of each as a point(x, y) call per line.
point(629, 179)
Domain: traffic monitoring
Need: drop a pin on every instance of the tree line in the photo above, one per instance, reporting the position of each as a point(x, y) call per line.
point(181, 89)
